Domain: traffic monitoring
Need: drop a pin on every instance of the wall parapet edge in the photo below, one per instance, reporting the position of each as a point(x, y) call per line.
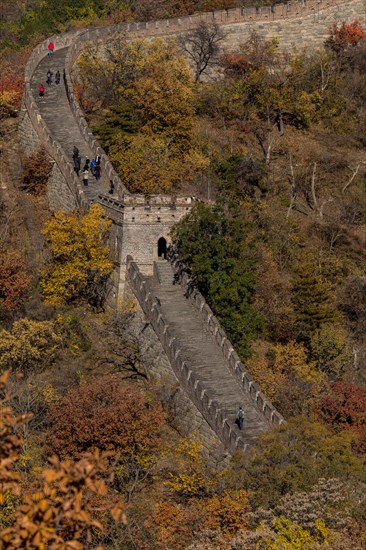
point(52, 147)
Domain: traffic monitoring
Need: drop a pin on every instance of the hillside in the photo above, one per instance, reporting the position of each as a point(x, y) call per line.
point(100, 447)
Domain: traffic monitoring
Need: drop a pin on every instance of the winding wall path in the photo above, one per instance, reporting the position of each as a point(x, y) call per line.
point(202, 358)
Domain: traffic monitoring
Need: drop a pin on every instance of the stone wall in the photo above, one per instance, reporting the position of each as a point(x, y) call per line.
point(302, 22)
point(145, 221)
point(138, 223)
point(74, 51)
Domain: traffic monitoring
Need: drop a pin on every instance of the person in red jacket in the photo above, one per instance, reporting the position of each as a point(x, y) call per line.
point(51, 47)
point(41, 90)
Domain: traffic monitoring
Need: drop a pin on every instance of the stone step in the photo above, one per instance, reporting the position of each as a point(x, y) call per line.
point(199, 348)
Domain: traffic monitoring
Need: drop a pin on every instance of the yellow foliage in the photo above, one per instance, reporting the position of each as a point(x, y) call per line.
point(148, 165)
point(264, 376)
point(292, 357)
point(191, 477)
point(226, 512)
point(80, 258)
point(29, 344)
point(7, 101)
point(290, 536)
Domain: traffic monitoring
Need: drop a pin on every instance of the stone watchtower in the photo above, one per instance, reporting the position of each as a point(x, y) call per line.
point(141, 229)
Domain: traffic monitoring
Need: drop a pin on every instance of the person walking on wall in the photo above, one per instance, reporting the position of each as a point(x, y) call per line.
point(41, 90)
point(97, 172)
point(49, 77)
point(85, 177)
point(57, 77)
point(92, 166)
point(240, 418)
point(75, 152)
point(51, 48)
point(77, 164)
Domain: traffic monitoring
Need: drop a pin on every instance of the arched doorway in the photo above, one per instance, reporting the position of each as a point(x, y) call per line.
point(162, 248)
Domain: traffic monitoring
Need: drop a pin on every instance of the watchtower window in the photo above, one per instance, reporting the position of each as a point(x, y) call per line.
point(162, 248)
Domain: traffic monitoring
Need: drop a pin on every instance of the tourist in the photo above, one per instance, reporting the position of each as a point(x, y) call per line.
point(51, 48)
point(240, 418)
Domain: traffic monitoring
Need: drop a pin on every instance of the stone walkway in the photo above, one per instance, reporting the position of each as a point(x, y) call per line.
point(55, 110)
point(203, 354)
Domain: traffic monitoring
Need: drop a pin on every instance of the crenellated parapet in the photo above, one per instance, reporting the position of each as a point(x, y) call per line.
point(231, 358)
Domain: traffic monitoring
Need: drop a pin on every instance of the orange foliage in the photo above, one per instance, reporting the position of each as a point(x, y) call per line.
point(348, 34)
point(234, 63)
point(105, 414)
point(14, 281)
point(226, 513)
point(37, 170)
point(10, 443)
point(175, 525)
point(62, 512)
point(344, 408)
point(171, 525)
point(12, 83)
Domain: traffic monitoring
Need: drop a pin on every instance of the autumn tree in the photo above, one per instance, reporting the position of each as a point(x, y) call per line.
point(61, 511)
point(11, 90)
point(29, 345)
point(189, 475)
point(109, 415)
point(37, 169)
point(80, 265)
point(346, 35)
point(344, 408)
point(330, 500)
point(149, 128)
point(331, 350)
point(201, 45)
point(223, 514)
point(283, 533)
point(293, 457)
point(14, 280)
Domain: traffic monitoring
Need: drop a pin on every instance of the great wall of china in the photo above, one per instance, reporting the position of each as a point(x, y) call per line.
point(199, 356)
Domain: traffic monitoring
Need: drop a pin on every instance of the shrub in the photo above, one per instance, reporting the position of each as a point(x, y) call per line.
point(37, 170)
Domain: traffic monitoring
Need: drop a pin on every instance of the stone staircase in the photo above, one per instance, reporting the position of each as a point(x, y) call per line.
point(202, 352)
point(55, 111)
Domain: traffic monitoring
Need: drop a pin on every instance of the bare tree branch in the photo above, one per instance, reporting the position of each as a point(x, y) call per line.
point(351, 178)
point(202, 46)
